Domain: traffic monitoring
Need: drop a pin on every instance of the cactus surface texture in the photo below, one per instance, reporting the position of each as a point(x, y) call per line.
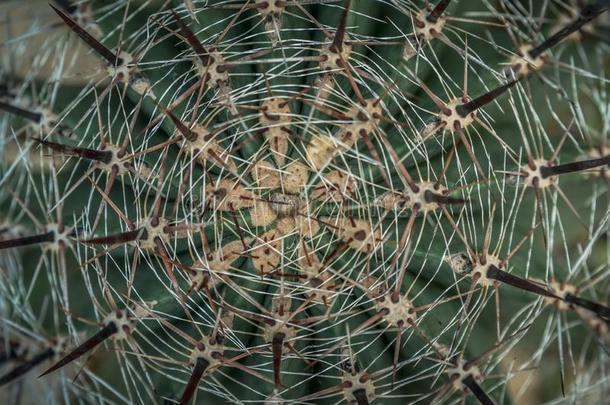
point(304, 201)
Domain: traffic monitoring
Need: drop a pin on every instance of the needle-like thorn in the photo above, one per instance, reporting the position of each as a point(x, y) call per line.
point(464, 109)
point(97, 46)
point(192, 40)
point(27, 366)
point(107, 331)
point(438, 10)
point(104, 156)
point(588, 13)
point(337, 45)
point(117, 238)
point(431, 197)
point(200, 366)
point(601, 310)
point(27, 240)
point(495, 273)
point(277, 346)
point(360, 395)
point(477, 391)
point(21, 112)
point(548, 171)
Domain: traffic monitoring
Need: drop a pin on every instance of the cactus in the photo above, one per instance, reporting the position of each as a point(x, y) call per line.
point(274, 202)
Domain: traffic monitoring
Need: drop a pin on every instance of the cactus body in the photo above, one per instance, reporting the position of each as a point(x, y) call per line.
point(306, 202)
